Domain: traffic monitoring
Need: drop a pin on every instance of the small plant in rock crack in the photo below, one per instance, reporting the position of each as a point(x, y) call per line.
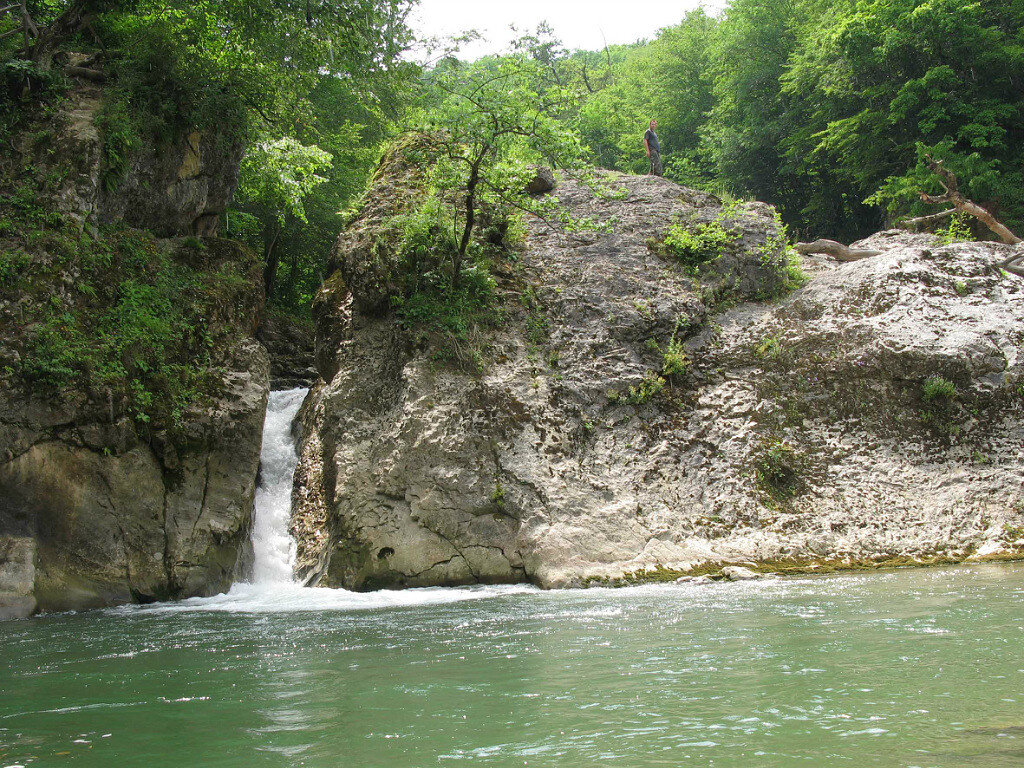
point(646, 390)
point(777, 469)
point(768, 348)
point(938, 389)
point(498, 496)
point(939, 395)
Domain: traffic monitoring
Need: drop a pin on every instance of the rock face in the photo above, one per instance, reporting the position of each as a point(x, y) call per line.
point(93, 514)
point(178, 187)
point(811, 428)
point(289, 342)
point(99, 506)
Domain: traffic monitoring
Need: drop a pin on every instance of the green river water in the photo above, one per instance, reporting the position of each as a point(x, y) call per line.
point(905, 668)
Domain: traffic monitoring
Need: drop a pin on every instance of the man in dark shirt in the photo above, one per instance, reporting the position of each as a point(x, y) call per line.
point(653, 149)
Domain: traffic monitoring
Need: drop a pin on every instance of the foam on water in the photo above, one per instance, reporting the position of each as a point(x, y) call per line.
point(293, 598)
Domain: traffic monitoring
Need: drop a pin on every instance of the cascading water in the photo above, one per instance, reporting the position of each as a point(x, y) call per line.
point(273, 547)
point(272, 587)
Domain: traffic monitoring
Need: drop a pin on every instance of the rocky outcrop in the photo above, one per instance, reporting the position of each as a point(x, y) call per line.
point(170, 187)
point(95, 515)
point(289, 343)
point(98, 509)
point(874, 415)
point(129, 444)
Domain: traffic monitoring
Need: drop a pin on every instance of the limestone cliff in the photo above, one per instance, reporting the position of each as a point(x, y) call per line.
point(132, 388)
point(875, 414)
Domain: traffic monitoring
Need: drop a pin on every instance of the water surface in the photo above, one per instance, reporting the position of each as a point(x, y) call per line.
point(905, 668)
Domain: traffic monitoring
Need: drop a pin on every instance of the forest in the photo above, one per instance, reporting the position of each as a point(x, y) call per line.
point(825, 110)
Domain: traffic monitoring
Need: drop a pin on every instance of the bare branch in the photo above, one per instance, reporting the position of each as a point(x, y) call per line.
point(836, 250)
point(924, 223)
point(1014, 265)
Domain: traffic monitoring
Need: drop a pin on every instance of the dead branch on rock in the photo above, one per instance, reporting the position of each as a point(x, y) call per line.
point(953, 197)
point(1014, 264)
point(836, 250)
point(924, 223)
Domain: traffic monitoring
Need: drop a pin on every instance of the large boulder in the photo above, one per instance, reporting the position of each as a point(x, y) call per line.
point(873, 416)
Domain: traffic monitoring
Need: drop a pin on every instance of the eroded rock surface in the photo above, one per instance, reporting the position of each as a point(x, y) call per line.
point(93, 514)
point(97, 504)
point(171, 188)
point(801, 432)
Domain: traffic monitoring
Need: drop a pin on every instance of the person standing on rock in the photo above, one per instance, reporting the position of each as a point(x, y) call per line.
point(653, 149)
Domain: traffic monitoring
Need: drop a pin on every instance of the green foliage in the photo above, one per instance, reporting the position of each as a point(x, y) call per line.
point(777, 470)
point(940, 404)
point(220, 64)
point(498, 496)
point(671, 79)
point(674, 359)
point(137, 327)
point(297, 84)
point(489, 120)
point(696, 244)
point(938, 389)
point(446, 311)
point(277, 177)
point(958, 230)
point(792, 272)
point(768, 348)
point(887, 83)
point(649, 387)
point(825, 110)
point(121, 138)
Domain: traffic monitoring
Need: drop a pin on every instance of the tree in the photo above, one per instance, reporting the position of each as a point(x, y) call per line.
point(889, 84)
point(669, 79)
point(277, 177)
point(487, 120)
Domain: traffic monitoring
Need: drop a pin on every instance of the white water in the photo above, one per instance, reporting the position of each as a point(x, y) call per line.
point(273, 588)
point(273, 547)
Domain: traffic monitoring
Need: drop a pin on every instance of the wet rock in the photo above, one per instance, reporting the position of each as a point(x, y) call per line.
point(114, 524)
point(739, 573)
point(289, 342)
point(703, 579)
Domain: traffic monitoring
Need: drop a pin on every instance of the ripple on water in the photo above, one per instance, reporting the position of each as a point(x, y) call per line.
point(888, 669)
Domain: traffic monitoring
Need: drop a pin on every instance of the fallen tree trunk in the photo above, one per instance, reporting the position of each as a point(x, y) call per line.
point(953, 197)
point(836, 250)
point(89, 74)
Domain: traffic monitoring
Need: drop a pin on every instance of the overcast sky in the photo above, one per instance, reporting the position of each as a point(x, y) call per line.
point(578, 23)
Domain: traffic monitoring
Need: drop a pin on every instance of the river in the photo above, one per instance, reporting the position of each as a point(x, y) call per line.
point(919, 667)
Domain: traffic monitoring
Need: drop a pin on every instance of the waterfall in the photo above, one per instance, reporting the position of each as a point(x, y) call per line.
point(273, 547)
point(272, 588)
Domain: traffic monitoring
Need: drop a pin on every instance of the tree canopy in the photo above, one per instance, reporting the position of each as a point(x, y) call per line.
point(826, 110)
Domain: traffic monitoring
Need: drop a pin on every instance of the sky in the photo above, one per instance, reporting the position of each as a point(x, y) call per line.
point(578, 23)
